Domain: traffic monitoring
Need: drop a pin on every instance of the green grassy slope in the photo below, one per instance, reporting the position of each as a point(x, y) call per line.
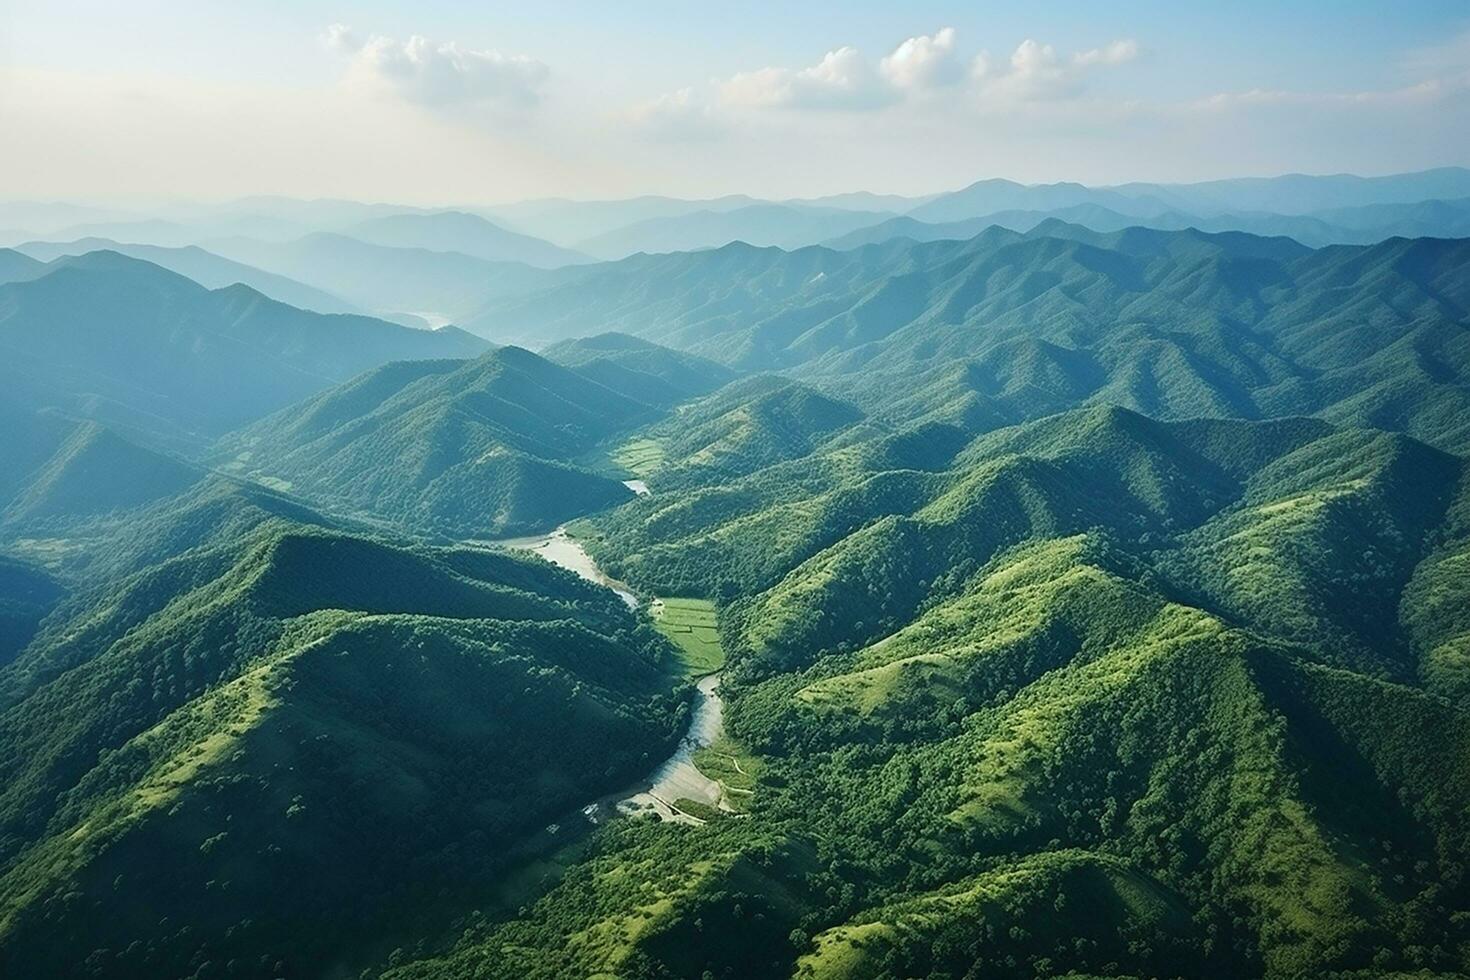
point(305, 726)
point(1099, 695)
point(745, 426)
point(638, 369)
point(1006, 327)
point(495, 446)
point(477, 449)
point(1085, 605)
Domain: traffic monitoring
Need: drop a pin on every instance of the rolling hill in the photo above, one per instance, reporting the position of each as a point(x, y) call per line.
point(1364, 225)
point(1288, 194)
point(1084, 602)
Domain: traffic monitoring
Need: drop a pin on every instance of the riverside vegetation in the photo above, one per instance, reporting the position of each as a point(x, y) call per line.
point(1087, 603)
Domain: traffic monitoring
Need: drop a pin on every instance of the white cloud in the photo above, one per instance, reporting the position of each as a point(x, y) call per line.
point(680, 115)
point(1448, 60)
point(1118, 53)
point(1036, 72)
point(439, 75)
point(923, 62)
point(922, 65)
point(843, 79)
point(1420, 92)
point(341, 39)
point(925, 70)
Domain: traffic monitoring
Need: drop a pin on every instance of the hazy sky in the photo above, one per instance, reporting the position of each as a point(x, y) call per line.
point(441, 102)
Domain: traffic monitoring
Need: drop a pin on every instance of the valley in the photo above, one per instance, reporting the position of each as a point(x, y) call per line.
point(677, 778)
point(1062, 602)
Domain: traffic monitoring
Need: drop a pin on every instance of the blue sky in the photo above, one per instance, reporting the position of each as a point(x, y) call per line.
point(502, 101)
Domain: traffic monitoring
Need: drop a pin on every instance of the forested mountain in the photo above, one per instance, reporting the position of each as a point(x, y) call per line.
point(120, 340)
point(207, 269)
point(1170, 323)
point(1084, 698)
point(1085, 603)
point(302, 727)
point(641, 370)
point(478, 448)
point(384, 279)
point(1289, 194)
point(756, 224)
point(989, 196)
point(466, 234)
point(1342, 226)
point(17, 266)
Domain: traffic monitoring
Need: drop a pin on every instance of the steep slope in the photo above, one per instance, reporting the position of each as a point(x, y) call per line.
point(473, 449)
point(207, 269)
point(1173, 324)
point(638, 369)
point(998, 737)
point(16, 266)
point(300, 705)
point(126, 342)
point(989, 196)
point(95, 471)
point(745, 426)
point(27, 594)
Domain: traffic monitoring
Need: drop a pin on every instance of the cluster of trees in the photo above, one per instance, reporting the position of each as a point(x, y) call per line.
point(1022, 723)
point(305, 726)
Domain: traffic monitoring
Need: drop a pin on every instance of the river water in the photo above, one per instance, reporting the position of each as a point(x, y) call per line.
point(559, 548)
point(676, 777)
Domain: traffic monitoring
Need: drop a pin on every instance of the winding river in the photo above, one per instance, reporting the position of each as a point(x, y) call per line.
point(676, 777)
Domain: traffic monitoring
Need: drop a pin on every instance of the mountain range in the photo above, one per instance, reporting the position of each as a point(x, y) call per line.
point(1315, 209)
point(121, 340)
point(1064, 600)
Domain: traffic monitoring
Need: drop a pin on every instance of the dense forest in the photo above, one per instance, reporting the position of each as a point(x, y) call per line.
point(1086, 603)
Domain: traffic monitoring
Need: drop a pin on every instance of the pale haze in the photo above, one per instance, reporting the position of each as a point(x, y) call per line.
point(473, 103)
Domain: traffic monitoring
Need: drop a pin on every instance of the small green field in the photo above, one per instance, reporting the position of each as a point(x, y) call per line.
point(641, 457)
point(690, 623)
point(698, 810)
point(729, 763)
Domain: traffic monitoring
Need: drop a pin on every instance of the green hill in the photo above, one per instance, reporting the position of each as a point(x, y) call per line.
point(783, 225)
point(95, 471)
point(1101, 696)
point(209, 270)
point(1169, 323)
point(282, 723)
point(27, 594)
point(638, 369)
point(1084, 603)
point(473, 449)
point(745, 426)
point(145, 350)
